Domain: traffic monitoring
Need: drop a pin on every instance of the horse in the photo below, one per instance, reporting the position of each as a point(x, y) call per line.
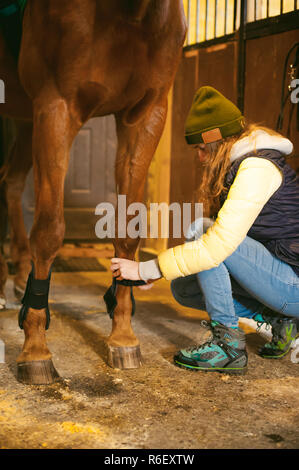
point(78, 60)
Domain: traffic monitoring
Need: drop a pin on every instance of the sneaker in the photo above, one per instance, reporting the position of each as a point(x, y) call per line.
point(284, 331)
point(224, 352)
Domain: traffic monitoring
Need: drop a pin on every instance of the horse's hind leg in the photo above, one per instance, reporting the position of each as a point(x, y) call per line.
point(3, 231)
point(52, 138)
point(19, 164)
point(137, 145)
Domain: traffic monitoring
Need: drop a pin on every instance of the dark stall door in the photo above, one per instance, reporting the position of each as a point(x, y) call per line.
point(89, 181)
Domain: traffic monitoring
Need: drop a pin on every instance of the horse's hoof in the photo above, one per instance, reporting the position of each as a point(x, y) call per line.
point(124, 357)
point(2, 303)
point(37, 372)
point(19, 292)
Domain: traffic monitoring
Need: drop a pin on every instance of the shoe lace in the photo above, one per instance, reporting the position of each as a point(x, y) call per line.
point(261, 323)
point(275, 333)
point(201, 346)
point(216, 336)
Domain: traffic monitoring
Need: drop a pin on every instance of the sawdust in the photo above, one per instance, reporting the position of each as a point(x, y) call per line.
point(81, 428)
point(156, 406)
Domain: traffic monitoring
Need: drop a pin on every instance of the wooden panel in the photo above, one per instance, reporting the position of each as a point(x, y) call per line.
point(217, 68)
point(111, 149)
point(264, 69)
point(81, 167)
point(182, 175)
point(90, 177)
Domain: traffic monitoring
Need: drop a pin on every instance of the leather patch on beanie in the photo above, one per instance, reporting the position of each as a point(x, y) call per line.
point(211, 136)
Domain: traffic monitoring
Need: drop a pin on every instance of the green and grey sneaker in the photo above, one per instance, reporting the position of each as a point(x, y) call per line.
point(284, 331)
point(224, 352)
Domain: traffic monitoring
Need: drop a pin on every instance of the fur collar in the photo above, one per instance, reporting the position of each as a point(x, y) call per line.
point(259, 140)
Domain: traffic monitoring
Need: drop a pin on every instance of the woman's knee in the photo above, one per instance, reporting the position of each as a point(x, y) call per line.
point(184, 289)
point(177, 289)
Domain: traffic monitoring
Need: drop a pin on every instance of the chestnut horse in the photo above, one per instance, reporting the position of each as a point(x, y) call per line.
point(81, 59)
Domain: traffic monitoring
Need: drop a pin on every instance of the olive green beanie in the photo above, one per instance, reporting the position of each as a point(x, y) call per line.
point(212, 117)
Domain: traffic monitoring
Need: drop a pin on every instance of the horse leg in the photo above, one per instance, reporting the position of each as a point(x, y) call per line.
point(19, 165)
point(137, 145)
point(53, 133)
point(3, 232)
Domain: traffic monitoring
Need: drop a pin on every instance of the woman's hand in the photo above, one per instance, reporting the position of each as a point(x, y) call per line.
point(125, 269)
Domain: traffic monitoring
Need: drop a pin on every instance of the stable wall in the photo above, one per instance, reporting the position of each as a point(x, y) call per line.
point(216, 65)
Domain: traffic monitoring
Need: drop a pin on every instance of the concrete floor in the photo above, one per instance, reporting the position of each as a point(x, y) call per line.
point(157, 406)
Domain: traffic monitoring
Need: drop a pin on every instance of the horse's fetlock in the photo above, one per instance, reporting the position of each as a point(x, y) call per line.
point(35, 319)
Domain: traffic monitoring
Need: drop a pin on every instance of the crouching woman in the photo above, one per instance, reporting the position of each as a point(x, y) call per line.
point(247, 262)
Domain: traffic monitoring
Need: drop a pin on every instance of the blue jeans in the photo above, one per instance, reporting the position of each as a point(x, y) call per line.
point(242, 286)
